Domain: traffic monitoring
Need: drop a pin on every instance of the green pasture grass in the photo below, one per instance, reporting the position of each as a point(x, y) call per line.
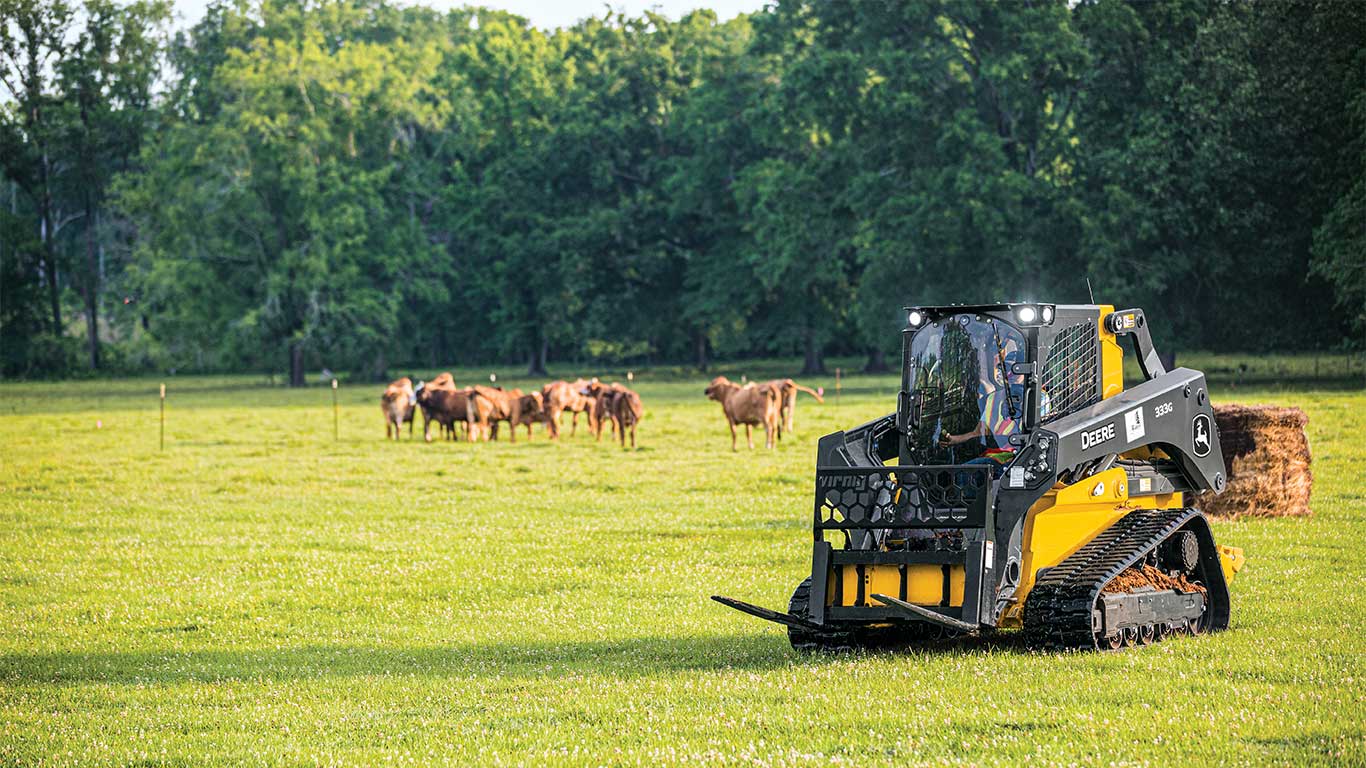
point(258, 593)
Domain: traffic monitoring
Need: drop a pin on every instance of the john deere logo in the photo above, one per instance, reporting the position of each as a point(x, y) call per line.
point(1202, 435)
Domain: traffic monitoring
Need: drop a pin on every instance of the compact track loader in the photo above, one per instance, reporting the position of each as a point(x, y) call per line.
point(1019, 484)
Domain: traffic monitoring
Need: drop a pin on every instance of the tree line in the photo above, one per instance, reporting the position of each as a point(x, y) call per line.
point(365, 185)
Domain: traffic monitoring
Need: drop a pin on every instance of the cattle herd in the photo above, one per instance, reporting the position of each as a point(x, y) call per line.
point(474, 413)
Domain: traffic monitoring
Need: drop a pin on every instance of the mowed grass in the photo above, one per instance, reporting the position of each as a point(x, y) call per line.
point(258, 593)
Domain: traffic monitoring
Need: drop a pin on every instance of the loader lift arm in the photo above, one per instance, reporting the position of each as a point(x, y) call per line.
point(1132, 323)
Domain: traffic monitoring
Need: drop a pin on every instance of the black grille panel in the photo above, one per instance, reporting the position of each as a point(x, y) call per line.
point(902, 497)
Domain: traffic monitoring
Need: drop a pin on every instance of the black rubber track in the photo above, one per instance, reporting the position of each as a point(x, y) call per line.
point(1059, 608)
point(807, 640)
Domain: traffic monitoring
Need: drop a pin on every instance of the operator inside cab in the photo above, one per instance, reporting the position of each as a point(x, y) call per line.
point(1000, 398)
point(965, 398)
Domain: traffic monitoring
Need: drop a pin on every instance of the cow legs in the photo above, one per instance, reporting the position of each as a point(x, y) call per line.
point(749, 437)
point(574, 422)
point(388, 428)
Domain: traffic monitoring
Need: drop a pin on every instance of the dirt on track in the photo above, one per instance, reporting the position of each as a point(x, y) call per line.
point(1148, 576)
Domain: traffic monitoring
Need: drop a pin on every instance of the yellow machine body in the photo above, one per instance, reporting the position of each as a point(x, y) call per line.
point(1066, 518)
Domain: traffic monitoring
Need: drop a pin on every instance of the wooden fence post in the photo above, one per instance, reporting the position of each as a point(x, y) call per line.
point(336, 429)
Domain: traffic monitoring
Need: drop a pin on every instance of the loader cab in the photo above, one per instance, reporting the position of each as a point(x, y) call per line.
point(977, 379)
point(966, 400)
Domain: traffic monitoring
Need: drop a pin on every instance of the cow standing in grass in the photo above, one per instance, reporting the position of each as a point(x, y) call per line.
point(787, 390)
point(603, 398)
point(617, 407)
point(530, 410)
point(749, 405)
point(627, 410)
point(448, 408)
point(398, 403)
point(560, 396)
point(433, 405)
point(490, 405)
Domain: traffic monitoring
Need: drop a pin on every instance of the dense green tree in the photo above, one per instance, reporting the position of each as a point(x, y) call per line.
point(33, 40)
point(80, 85)
point(108, 75)
point(288, 200)
point(364, 185)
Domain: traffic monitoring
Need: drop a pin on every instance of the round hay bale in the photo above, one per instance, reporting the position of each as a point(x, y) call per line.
point(1267, 454)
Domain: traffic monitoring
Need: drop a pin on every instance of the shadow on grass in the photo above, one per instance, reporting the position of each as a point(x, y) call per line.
point(626, 659)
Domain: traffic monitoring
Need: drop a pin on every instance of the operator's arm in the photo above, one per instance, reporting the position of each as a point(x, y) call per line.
point(981, 430)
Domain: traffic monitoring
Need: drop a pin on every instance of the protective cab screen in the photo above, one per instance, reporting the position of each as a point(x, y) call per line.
point(964, 401)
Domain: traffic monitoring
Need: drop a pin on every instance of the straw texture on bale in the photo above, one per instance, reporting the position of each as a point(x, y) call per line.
point(1267, 454)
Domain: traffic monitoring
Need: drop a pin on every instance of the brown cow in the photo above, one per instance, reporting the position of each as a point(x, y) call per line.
point(530, 411)
point(787, 401)
point(604, 397)
point(490, 405)
point(748, 405)
point(627, 410)
point(444, 382)
point(446, 407)
point(398, 404)
point(561, 396)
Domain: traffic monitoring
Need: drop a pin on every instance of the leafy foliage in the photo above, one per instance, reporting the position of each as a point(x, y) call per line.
point(360, 185)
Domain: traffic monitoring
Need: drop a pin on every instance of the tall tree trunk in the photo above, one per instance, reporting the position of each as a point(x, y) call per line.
point(92, 288)
point(50, 268)
point(49, 256)
point(296, 364)
point(877, 361)
point(700, 344)
point(536, 359)
point(815, 355)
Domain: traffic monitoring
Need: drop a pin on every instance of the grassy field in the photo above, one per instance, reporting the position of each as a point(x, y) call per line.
point(258, 593)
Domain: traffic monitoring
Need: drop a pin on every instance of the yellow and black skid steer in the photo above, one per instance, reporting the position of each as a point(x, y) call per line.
point(1019, 484)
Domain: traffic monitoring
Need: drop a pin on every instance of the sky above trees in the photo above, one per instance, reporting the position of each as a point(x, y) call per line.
point(553, 14)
